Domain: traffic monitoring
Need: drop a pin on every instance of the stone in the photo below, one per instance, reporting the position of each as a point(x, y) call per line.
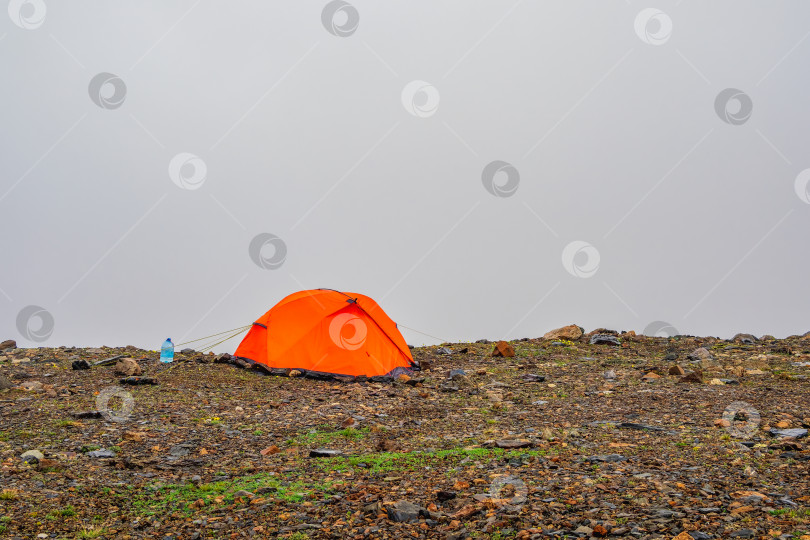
point(188, 350)
point(32, 386)
point(404, 511)
point(32, 457)
point(677, 370)
point(457, 374)
point(651, 376)
point(101, 453)
point(5, 383)
point(503, 349)
point(138, 381)
point(324, 453)
point(513, 443)
point(295, 373)
point(80, 365)
point(704, 358)
point(694, 377)
point(683, 536)
point(373, 509)
point(754, 372)
point(604, 339)
point(796, 433)
point(584, 530)
point(607, 458)
point(570, 332)
point(87, 415)
point(716, 382)
point(445, 495)
point(243, 493)
point(599, 530)
point(443, 350)
point(8, 344)
point(532, 377)
point(127, 367)
point(609, 375)
point(745, 339)
point(270, 450)
point(223, 358)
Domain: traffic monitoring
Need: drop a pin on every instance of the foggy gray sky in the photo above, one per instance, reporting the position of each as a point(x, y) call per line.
point(354, 137)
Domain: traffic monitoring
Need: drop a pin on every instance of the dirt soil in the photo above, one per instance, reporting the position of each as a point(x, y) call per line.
point(566, 438)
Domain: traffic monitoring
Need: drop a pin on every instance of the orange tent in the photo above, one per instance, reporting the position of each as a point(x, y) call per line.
point(326, 332)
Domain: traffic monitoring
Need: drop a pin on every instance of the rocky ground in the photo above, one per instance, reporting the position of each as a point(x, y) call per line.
point(598, 435)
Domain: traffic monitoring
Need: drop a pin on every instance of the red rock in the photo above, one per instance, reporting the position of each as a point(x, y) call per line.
point(504, 349)
point(270, 450)
point(694, 377)
point(676, 370)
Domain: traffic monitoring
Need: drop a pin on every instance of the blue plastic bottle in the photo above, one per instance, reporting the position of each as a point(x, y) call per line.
point(167, 351)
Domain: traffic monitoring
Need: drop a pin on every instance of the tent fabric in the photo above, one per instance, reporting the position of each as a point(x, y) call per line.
point(323, 331)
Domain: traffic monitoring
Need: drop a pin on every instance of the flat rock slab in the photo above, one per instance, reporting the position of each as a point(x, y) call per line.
point(135, 381)
point(324, 452)
point(604, 339)
point(533, 377)
point(513, 443)
point(404, 511)
point(87, 414)
point(794, 433)
point(101, 453)
point(607, 458)
point(631, 425)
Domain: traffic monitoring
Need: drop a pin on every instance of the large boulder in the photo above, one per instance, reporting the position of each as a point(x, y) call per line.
point(570, 332)
point(8, 344)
